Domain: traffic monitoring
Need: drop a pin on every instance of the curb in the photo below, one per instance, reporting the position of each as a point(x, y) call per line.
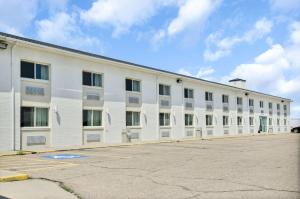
point(16, 177)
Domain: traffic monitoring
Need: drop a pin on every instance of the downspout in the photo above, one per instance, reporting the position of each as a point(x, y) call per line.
point(13, 96)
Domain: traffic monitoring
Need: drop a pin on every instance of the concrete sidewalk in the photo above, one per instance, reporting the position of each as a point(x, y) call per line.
point(34, 189)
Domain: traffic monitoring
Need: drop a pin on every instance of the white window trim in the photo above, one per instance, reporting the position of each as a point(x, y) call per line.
point(133, 127)
point(164, 85)
point(166, 126)
point(34, 68)
point(132, 85)
point(92, 72)
point(188, 93)
point(93, 127)
point(212, 121)
point(34, 127)
point(188, 122)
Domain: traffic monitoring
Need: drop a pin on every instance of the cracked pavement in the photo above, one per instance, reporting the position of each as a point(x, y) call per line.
point(244, 167)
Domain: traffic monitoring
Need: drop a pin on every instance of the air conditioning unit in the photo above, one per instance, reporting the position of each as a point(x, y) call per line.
point(209, 107)
point(189, 133)
point(188, 105)
point(165, 134)
point(225, 108)
point(240, 110)
point(93, 97)
point(133, 100)
point(165, 103)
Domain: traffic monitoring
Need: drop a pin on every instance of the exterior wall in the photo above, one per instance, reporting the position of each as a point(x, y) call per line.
point(66, 103)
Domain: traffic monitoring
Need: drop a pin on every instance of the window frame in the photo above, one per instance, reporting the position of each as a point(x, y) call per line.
point(188, 93)
point(132, 117)
point(225, 120)
point(35, 63)
point(239, 101)
point(270, 105)
point(251, 121)
point(164, 85)
point(261, 104)
point(206, 120)
point(92, 73)
point(132, 79)
point(270, 123)
point(224, 97)
point(208, 95)
point(92, 118)
point(238, 121)
point(252, 103)
point(164, 119)
point(34, 117)
point(189, 119)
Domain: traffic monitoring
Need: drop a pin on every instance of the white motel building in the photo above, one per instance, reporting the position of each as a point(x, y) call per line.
point(57, 97)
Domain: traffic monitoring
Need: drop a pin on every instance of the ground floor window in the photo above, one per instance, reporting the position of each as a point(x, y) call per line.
point(34, 117)
point(270, 121)
point(284, 122)
point(164, 119)
point(132, 118)
point(188, 119)
point(239, 121)
point(251, 121)
point(278, 122)
point(225, 120)
point(209, 120)
point(92, 118)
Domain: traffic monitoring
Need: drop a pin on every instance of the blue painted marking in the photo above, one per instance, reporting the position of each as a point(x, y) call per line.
point(64, 156)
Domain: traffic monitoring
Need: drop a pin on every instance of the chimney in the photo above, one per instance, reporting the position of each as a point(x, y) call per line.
point(240, 83)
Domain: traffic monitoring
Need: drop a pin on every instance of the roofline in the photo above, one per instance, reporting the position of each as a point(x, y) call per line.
point(72, 50)
point(237, 80)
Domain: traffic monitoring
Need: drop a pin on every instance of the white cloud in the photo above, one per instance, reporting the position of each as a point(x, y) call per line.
point(123, 15)
point(203, 73)
point(276, 71)
point(63, 29)
point(285, 5)
point(15, 17)
point(218, 48)
point(192, 13)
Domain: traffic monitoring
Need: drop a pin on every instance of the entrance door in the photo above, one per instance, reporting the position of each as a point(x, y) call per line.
point(263, 124)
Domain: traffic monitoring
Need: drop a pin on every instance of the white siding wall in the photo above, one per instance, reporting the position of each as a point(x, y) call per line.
point(66, 98)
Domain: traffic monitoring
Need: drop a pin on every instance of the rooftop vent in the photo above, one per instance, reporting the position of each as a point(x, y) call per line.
point(240, 83)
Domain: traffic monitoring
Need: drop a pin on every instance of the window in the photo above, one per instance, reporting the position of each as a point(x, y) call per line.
point(251, 121)
point(278, 122)
point(270, 121)
point(91, 79)
point(239, 101)
point(261, 104)
point(208, 96)
point(225, 120)
point(132, 118)
point(164, 119)
point(270, 105)
point(34, 71)
point(164, 90)
point(188, 119)
point(92, 118)
point(278, 107)
point(239, 121)
point(209, 120)
point(225, 99)
point(133, 85)
point(251, 102)
point(284, 122)
point(284, 107)
point(34, 117)
point(188, 93)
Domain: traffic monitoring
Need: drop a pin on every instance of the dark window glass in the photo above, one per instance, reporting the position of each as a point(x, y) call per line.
point(42, 72)
point(161, 119)
point(186, 93)
point(27, 69)
point(87, 117)
point(86, 79)
point(27, 117)
point(161, 89)
point(128, 118)
point(128, 84)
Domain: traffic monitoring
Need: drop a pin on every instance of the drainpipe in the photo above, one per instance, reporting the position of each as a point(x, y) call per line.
point(13, 96)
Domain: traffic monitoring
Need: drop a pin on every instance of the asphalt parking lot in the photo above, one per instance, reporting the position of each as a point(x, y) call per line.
point(245, 167)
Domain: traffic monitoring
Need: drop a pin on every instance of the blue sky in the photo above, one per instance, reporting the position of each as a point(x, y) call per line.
point(211, 39)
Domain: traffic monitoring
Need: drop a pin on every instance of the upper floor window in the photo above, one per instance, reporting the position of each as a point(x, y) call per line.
point(239, 121)
point(225, 99)
point(34, 117)
point(270, 121)
point(239, 101)
point(132, 118)
point(208, 96)
point(284, 121)
point(164, 119)
point(188, 119)
point(270, 105)
point(278, 107)
point(91, 79)
point(34, 71)
point(92, 118)
point(133, 85)
point(188, 93)
point(251, 102)
point(284, 107)
point(164, 90)
point(278, 122)
point(261, 104)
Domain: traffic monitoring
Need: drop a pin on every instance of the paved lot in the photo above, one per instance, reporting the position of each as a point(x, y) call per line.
point(246, 167)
